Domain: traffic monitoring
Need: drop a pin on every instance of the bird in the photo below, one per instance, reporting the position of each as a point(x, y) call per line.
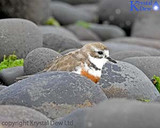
point(87, 61)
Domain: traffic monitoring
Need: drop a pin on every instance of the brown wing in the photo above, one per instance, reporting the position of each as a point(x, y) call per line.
point(67, 62)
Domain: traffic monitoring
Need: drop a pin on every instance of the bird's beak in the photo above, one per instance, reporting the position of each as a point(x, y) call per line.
point(111, 60)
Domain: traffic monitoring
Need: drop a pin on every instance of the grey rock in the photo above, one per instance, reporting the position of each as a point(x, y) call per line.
point(19, 36)
point(106, 32)
point(57, 30)
point(149, 65)
point(67, 51)
point(137, 41)
point(67, 14)
point(14, 113)
point(146, 25)
point(60, 43)
point(37, 11)
point(38, 59)
point(117, 13)
point(126, 54)
point(8, 76)
point(55, 94)
point(117, 47)
point(123, 114)
point(2, 87)
point(83, 33)
point(78, 1)
point(125, 80)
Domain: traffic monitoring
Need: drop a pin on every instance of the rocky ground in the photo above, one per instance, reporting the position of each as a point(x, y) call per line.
point(68, 100)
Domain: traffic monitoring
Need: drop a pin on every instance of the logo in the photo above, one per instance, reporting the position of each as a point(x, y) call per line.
point(144, 5)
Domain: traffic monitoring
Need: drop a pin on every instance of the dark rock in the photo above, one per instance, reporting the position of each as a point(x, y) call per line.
point(37, 11)
point(149, 65)
point(38, 59)
point(60, 43)
point(57, 30)
point(21, 114)
point(19, 36)
point(55, 94)
point(146, 25)
point(67, 14)
point(125, 80)
point(67, 51)
point(8, 76)
point(117, 13)
point(106, 32)
point(123, 114)
point(78, 1)
point(126, 54)
point(118, 47)
point(137, 41)
point(83, 33)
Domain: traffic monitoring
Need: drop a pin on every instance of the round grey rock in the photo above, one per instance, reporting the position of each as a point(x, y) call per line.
point(67, 14)
point(125, 80)
point(78, 1)
point(118, 47)
point(106, 32)
point(38, 59)
point(19, 36)
point(8, 76)
point(137, 41)
point(22, 114)
point(60, 43)
point(83, 33)
point(117, 13)
point(146, 25)
point(149, 65)
point(126, 54)
point(37, 11)
point(55, 94)
point(120, 113)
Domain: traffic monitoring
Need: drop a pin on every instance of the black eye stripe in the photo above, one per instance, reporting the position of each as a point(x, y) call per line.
point(100, 52)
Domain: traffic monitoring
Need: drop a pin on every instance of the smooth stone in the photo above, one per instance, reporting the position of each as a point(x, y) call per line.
point(55, 94)
point(77, 2)
point(19, 36)
point(38, 59)
point(149, 65)
point(125, 80)
point(8, 76)
point(2, 87)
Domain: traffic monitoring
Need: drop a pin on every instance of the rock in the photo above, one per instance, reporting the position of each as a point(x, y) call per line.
point(78, 1)
point(118, 47)
point(137, 41)
point(57, 30)
point(19, 36)
point(38, 59)
point(55, 94)
point(146, 25)
point(25, 115)
point(125, 80)
point(8, 76)
point(126, 54)
point(106, 32)
point(60, 43)
point(2, 87)
point(67, 51)
point(148, 65)
point(117, 13)
point(157, 99)
point(123, 114)
point(83, 33)
point(67, 14)
point(37, 11)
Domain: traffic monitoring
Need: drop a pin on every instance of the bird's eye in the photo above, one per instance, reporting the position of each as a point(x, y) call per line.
point(100, 52)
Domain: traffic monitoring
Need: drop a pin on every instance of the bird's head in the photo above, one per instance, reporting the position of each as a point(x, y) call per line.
point(97, 53)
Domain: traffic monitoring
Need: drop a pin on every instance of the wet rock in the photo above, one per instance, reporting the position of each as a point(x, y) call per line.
point(8, 76)
point(38, 59)
point(149, 65)
point(125, 80)
point(19, 36)
point(37, 11)
point(67, 14)
point(55, 94)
